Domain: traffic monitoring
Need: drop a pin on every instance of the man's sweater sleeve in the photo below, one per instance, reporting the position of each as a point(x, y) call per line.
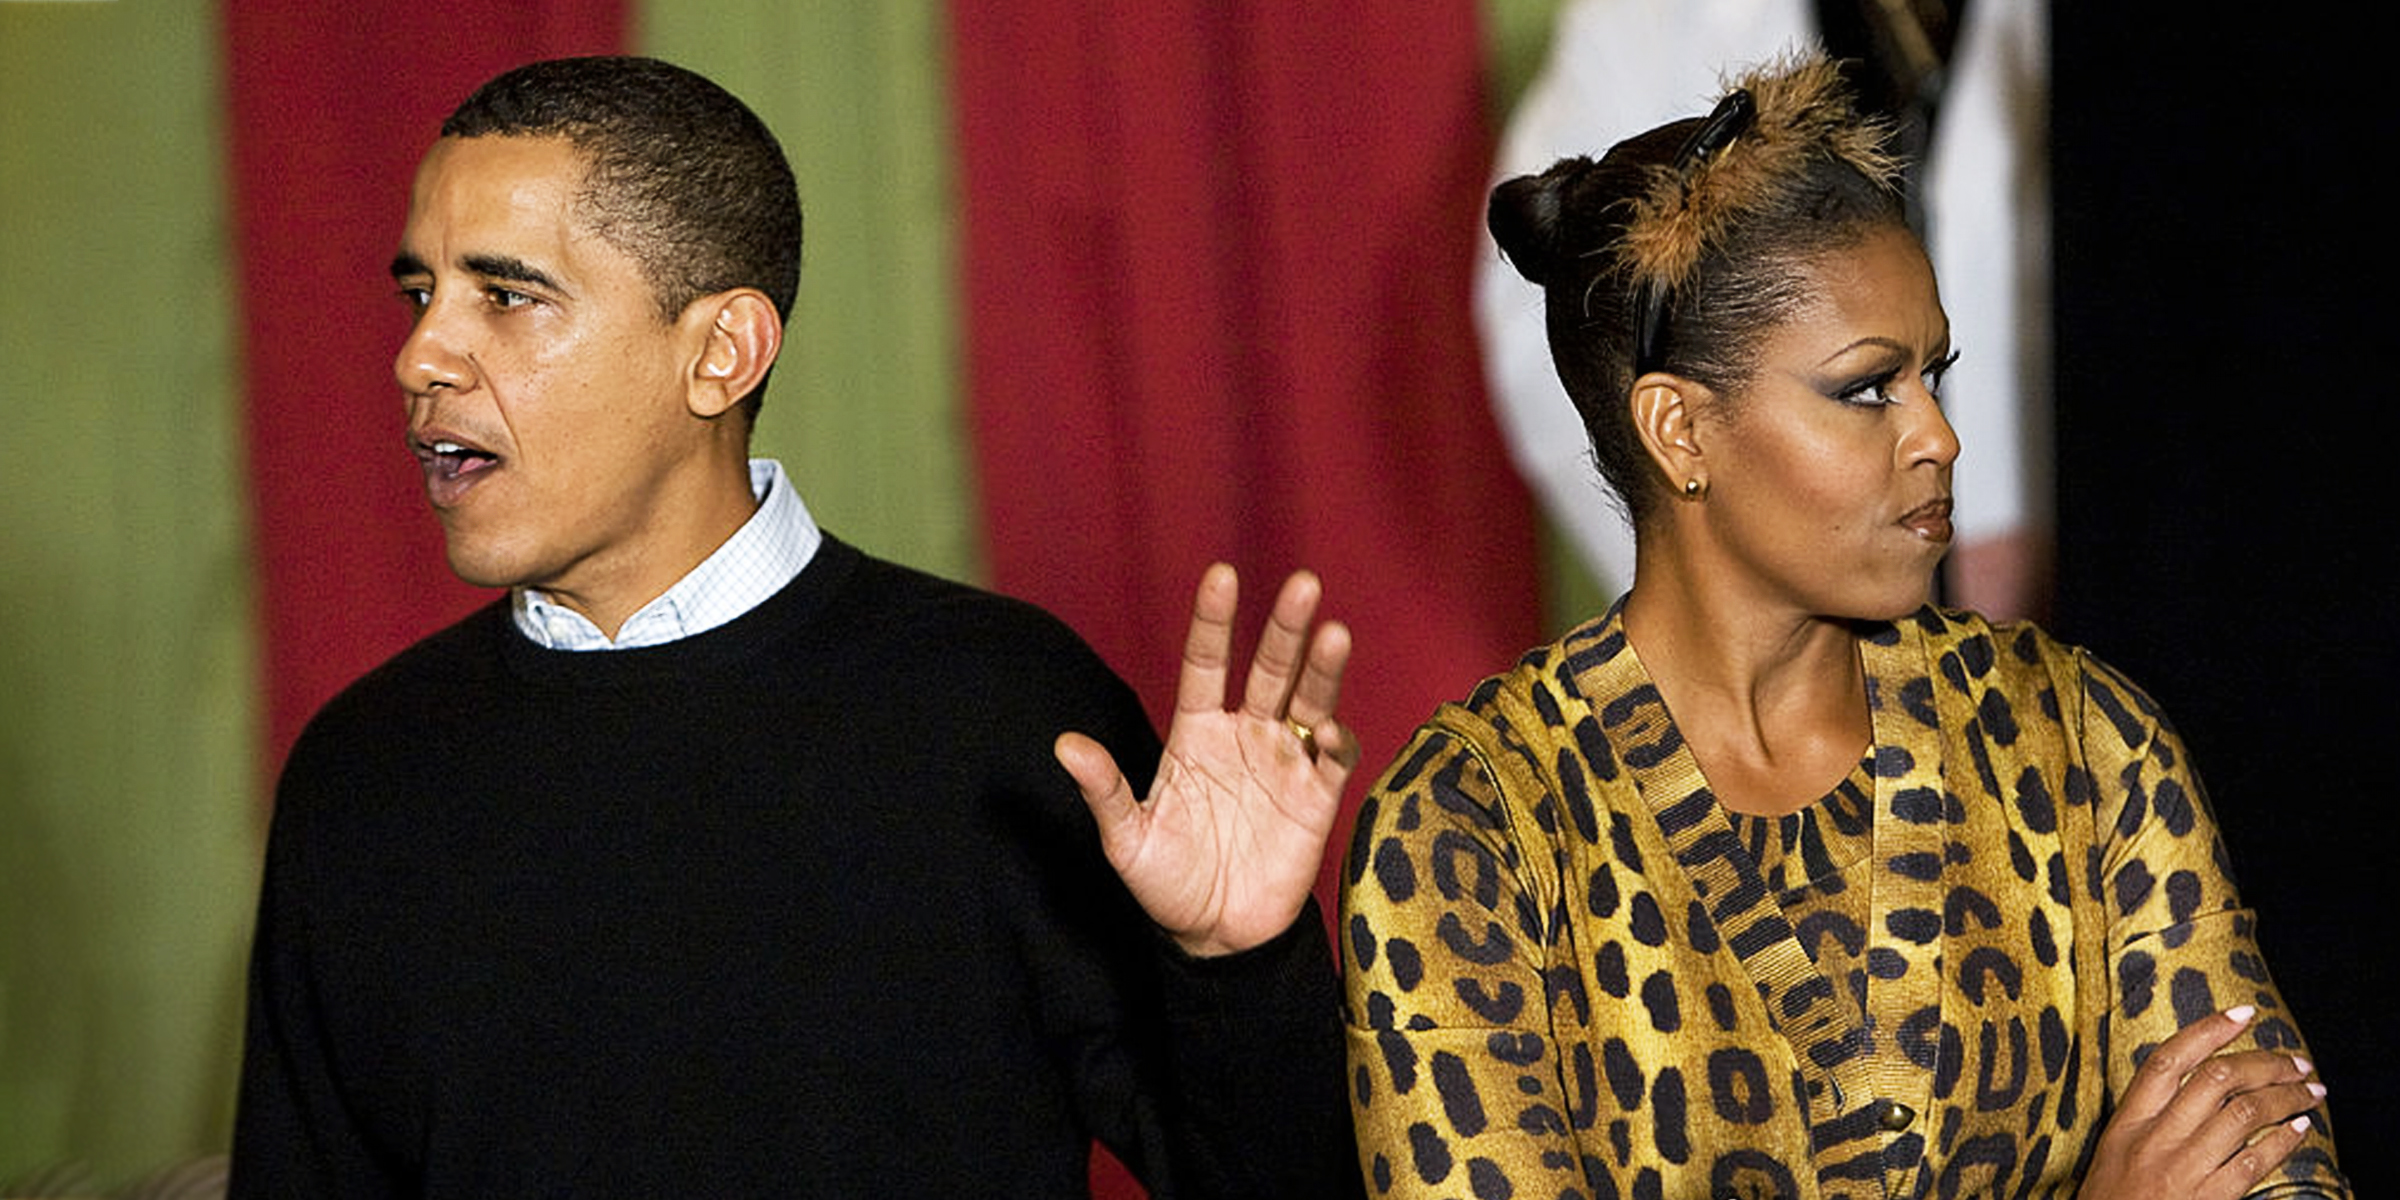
point(1256, 1053)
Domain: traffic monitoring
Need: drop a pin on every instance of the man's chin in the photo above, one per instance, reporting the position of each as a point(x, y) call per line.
point(477, 566)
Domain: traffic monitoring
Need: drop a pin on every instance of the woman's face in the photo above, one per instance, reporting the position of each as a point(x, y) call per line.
point(1829, 479)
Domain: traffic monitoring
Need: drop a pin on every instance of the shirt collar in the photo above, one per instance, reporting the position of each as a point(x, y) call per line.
point(756, 562)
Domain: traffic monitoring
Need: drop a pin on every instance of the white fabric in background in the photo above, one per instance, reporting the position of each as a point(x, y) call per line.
point(1618, 67)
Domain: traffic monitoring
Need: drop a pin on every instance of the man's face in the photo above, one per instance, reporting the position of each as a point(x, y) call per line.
point(546, 396)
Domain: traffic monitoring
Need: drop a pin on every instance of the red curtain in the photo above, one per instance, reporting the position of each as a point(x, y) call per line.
point(1217, 284)
point(330, 108)
point(1218, 260)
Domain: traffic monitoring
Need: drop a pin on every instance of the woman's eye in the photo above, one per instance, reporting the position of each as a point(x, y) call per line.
point(1872, 393)
point(1880, 391)
point(1939, 371)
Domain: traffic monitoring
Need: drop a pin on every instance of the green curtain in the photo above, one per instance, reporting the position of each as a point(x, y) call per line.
point(864, 407)
point(128, 773)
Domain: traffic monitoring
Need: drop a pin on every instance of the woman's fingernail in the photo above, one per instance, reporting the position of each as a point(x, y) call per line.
point(2316, 1089)
point(2300, 1123)
point(2240, 1014)
point(2304, 1065)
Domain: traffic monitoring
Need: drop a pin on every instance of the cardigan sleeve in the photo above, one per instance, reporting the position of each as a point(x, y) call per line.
point(1457, 1082)
point(2181, 944)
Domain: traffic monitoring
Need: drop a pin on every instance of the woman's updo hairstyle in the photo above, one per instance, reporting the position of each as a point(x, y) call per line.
point(1684, 246)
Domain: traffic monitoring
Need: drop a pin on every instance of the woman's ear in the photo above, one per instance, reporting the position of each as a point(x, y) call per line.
point(1665, 411)
point(738, 342)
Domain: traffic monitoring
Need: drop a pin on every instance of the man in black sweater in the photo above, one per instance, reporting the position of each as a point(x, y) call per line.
point(720, 857)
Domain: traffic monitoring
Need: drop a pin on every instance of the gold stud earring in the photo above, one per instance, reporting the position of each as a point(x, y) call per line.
point(1694, 489)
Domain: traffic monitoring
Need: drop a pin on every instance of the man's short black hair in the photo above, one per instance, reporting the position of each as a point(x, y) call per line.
point(682, 177)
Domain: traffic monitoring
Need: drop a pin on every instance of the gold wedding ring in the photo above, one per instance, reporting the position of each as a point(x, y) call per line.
point(1307, 736)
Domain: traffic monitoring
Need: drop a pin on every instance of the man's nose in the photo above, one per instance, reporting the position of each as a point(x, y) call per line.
point(432, 356)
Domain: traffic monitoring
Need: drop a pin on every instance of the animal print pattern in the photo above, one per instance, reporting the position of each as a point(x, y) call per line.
point(1569, 975)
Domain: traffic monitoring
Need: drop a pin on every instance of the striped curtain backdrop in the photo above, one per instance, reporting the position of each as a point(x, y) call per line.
point(1094, 294)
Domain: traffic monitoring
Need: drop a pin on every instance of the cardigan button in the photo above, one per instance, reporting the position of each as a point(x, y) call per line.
point(1895, 1116)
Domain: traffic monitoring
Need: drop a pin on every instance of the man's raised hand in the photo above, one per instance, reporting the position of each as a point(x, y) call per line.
point(1224, 851)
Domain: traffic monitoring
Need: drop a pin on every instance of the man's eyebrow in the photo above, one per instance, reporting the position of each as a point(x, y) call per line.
point(508, 268)
point(505, 268)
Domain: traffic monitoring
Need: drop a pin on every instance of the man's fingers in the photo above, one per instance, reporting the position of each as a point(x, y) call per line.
point(1282, 645)
point(1319, 692)
point(1104, 789)
point(1295, 676)
point(1337, 752)
point(1200, 687)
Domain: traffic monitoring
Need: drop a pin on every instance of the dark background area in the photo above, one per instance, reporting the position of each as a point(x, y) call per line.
point(2224, 352)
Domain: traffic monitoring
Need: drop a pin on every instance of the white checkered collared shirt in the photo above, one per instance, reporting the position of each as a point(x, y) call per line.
point(762, 556)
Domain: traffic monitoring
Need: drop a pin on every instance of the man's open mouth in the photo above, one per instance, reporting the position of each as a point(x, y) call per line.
point(451, 467)
point(451, 460)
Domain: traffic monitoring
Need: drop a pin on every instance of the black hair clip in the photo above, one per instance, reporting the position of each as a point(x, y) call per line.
point(1729, 120)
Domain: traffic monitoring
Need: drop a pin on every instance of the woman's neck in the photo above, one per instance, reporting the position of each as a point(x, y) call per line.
point(1771, 702)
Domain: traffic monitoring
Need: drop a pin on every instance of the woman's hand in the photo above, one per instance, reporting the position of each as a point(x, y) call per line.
point(1226, 848)
point(2200, 1124)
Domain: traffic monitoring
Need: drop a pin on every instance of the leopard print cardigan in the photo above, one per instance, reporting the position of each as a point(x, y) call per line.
point(1567, 977)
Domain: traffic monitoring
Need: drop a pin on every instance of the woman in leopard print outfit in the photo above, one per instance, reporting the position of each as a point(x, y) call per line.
point(1775, 880)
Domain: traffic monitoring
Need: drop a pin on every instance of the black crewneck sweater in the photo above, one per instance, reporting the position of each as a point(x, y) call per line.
point(801, 905)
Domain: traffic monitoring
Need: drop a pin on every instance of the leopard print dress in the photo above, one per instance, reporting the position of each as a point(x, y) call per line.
point(1571, 973)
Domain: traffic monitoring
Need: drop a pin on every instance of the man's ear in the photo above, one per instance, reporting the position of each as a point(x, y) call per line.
point(740, 335)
